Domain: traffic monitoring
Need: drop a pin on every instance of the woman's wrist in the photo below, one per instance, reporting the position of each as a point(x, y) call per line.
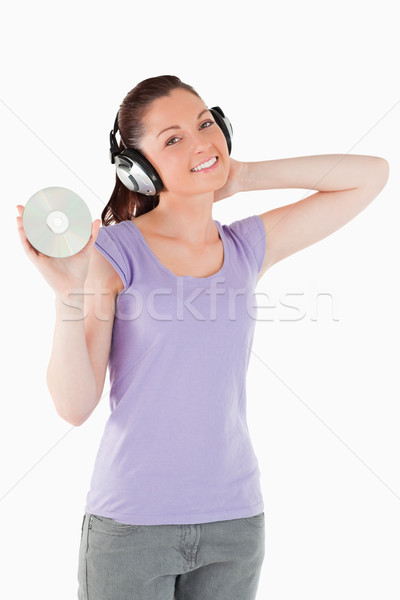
point(242, 176)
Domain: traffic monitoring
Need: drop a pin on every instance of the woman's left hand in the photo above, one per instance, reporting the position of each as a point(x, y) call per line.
point(233, 184)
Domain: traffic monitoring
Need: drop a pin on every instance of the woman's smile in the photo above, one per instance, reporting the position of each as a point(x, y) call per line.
point(207, 166)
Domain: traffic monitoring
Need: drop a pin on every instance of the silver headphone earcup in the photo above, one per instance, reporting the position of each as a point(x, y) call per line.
point(137, 174)
point(224, 123)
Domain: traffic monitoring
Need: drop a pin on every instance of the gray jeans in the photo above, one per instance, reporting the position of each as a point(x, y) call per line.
point(220, 560)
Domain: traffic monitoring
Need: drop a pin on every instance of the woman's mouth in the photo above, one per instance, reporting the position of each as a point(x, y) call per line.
point(206, 166)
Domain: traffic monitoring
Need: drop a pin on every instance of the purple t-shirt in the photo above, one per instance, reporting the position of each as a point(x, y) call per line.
point(176, 446)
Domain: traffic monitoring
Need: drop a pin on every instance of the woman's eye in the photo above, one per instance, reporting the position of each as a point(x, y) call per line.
point(176, 138)
point(168, 143)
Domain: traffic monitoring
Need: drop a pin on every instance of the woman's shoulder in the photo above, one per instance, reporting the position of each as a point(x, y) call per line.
point(113, 242)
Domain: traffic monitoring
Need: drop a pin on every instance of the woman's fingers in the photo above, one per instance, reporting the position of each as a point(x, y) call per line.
point(27, 246)
point(95, 230)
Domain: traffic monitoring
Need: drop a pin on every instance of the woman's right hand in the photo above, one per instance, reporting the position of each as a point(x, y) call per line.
point(62, 274)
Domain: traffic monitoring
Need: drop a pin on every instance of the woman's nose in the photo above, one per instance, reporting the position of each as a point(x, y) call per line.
point(200, 139)
point(199, 143)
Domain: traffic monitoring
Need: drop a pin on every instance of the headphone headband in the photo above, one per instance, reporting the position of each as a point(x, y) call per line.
point(114, 148)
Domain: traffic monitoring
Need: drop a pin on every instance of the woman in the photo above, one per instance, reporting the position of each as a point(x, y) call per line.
point(175, 508)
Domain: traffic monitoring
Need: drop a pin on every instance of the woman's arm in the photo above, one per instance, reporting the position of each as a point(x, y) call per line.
point(82, 341)
point(323, 172)
point(70, 376)
point(347, 183)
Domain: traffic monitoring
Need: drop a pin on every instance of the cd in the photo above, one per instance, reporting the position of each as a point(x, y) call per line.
point(57, 222)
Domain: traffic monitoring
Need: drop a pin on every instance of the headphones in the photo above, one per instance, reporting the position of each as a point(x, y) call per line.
point(137, 173)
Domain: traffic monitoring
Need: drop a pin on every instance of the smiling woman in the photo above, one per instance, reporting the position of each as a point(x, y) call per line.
point(198, 146)
point(174, 320)
point(176, 449)
point(146, 115)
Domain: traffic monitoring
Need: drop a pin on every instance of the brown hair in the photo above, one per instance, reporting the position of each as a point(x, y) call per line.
point(125, 204)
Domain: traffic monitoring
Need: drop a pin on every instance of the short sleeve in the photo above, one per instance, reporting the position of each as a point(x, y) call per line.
point(108, 244)
point(252, 231)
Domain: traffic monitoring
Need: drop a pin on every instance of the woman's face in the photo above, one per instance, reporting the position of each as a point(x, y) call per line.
point(195, 138)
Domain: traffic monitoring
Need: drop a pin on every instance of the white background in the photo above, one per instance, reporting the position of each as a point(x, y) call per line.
point(295, 79)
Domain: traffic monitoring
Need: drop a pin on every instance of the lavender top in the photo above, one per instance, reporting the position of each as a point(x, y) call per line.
point(176, 447)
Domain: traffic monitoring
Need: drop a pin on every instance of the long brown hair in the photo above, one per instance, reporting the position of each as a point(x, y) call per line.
point(125, 204)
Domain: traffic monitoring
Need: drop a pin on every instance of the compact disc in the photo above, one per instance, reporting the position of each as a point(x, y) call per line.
point(57, 222)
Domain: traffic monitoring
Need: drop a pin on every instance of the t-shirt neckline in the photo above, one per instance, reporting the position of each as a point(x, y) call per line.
point(187, 277)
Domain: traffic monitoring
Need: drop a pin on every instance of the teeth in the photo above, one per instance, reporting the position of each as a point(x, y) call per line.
point(205, 165)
